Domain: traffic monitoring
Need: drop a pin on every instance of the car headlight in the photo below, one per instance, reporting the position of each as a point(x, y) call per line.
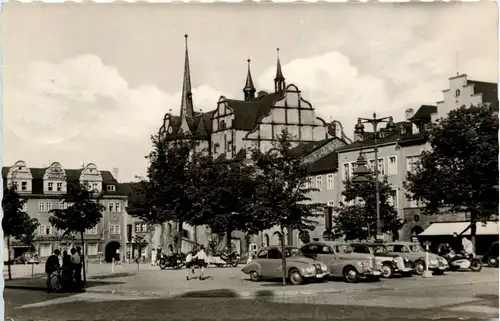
point(310, 270)
point(434, 262)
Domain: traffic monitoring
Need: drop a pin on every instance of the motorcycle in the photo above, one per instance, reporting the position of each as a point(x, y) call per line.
point(464, 262)
point(174, 261)
point(232, 259)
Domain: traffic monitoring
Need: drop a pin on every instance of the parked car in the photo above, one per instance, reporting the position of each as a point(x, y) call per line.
point(416, 255)
point(27, 258)
point(491, 257)
point(391, 263)
point(342, 261)
point(268, 265)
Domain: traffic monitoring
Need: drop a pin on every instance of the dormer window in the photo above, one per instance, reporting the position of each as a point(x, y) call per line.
point(222, 125)
point(50, 186)
point(111, 188)
point(95, 186)
point(59, 187)
point(24, 186)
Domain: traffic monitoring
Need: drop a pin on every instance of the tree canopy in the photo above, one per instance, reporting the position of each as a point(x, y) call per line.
point(460, 172)
point(356, 217)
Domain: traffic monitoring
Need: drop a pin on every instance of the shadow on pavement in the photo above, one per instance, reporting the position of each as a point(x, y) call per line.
point(41, 285)
point(113, 276)
point(226, 306)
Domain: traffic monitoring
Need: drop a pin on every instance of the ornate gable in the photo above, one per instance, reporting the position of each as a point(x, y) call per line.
point(20, 175)
point(92, 176)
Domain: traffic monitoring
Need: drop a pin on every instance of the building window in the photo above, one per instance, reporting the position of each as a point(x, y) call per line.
point(346, 173)
point(45, 230)
point(24, 186)
point(118, 207)
point(230, 145)
point(92, 248)
point(330, 203)
point(185, 234)
point(114, 229)
point(63, 205)
point(381, 166)
point(50, 186)
point(216, 148)
point(111, 188)
point(392, 166)
point(111, 206)
point(319, 182)
point(92, 231)
point(412, 163)
point(95, 186)
point(393, 198)
point(144, 227)
point(45, 250)
point(59, 187)
point(222, 125)
point(329, 181)
point(371, 164)
point(44, 206)
point(352, 168)
point(138, 227)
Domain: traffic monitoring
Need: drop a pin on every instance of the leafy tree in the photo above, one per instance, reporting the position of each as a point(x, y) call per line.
point(170, 190)
point(460, 172)
point(16, 223)
point(84, 211)
point(226, 189)
point(359, 220)
point(281, 197)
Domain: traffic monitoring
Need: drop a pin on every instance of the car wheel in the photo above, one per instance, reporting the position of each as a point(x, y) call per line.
point(351, 275)
point(419, 267)
point(387, 270)
point(476, 265)
point(295, 277)
point(492, 261)
point(254, 276)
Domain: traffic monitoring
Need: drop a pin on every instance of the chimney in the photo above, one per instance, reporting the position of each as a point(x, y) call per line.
point(115, 172)
point(409, 113)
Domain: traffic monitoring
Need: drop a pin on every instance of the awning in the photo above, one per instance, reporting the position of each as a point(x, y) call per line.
point(488, 228)
point(445, 228)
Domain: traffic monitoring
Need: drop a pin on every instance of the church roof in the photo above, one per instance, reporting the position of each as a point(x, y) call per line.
point(424, 112)
point(248, 113)
point(489, 91)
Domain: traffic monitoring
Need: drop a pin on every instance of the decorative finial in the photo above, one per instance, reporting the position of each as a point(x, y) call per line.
point(374, 115)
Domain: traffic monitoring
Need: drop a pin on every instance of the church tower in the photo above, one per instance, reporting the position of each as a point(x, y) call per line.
point(249, 89)
point(187, 95)
point(279, 81)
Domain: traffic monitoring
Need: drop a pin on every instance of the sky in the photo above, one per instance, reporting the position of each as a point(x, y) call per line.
point(91, 82)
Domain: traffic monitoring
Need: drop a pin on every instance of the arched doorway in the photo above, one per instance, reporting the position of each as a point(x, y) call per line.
point(415, 231)
point(110, 251)
point(266, 240)
point(277, 238)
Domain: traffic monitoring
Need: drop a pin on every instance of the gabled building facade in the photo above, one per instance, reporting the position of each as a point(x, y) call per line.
point(43, 188)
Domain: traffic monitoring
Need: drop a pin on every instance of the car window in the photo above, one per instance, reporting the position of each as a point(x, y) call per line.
point(380, 249)
point(399, 248)
point(274, 254)
point(344, 248)
point(390, 248)
point(325, 249)
point(291, 251)
point(414, 248)
point(262, 254)
point(361, 249)
point(310, 249)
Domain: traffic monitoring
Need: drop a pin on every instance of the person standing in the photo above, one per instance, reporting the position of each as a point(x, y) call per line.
point(201, 260)
point(467, 246)
point(77, 268)
point(51, 266)
point(153, 257)
point(67, 270)
point(189, 264)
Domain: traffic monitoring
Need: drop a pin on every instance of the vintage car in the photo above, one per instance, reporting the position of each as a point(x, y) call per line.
point(27, 258)
point(416, 255)
point(491, 257)
point(391, 263)
point(268, 265)
point(342, 261)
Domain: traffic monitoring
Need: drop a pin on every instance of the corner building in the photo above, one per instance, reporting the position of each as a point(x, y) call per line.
point(43, 188)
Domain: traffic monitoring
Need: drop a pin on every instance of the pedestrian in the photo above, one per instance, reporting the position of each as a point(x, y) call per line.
point(51, 266)
point(468, 247)
point(153, 257)
point(67, 270)
point(189, 264)
point(201, 260)
point(117, 257)
point(77, 268)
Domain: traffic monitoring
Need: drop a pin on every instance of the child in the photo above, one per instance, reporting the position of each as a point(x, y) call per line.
point(201, 260)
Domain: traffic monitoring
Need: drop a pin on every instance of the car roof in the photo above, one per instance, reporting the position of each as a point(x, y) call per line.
point(279, 247)
point(401, 243)
point(331, 243)
point(369, 244)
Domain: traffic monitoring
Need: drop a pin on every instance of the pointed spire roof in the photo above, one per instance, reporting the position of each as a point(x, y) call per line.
point(279, 73)
point(249, 84)
point(187, 96)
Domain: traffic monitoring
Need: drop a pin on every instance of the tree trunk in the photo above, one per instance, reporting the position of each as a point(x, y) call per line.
point(283, 256)
point(228, 240)
point(83, 260)
point(473, 221)
point(180, 231)
point(8, 258)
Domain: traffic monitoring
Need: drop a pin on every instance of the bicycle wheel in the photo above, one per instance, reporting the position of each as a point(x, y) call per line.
point(56, 283)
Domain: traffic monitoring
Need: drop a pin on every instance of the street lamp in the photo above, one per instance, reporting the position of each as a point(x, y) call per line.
point(359, 129)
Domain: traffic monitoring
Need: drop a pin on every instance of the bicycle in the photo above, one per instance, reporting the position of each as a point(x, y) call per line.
point(56, 281)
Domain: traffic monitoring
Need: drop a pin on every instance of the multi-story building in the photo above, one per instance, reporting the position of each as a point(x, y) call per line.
point(43, 189)
point(238, 125)
point(400, 150)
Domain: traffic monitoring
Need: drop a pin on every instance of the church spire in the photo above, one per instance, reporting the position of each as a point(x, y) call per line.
point(249, 89)
point(279, 81)
point(187, 95)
